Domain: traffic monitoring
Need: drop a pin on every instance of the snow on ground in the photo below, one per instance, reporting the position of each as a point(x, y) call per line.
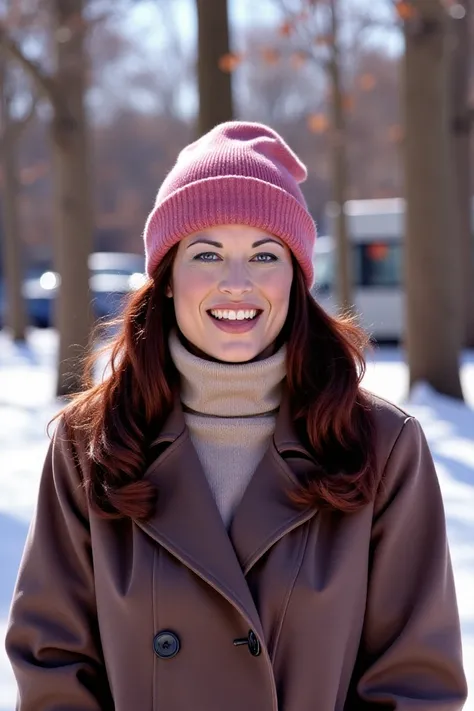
point(26, 405)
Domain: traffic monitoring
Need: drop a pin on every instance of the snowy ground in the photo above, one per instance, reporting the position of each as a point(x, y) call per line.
point(26, 405)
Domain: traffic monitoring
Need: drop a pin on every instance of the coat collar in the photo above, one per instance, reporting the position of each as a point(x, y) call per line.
point(188, 524)
point(285, 437)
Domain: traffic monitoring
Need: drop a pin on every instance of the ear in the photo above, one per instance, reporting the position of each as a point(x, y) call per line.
point(169, 292)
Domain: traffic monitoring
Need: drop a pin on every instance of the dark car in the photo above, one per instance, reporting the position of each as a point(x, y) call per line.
point(113, 275)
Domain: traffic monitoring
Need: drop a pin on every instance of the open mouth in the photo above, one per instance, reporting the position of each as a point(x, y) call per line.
point(232, 315)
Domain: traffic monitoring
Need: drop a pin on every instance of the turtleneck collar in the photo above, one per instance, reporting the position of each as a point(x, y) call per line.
point(229, 389)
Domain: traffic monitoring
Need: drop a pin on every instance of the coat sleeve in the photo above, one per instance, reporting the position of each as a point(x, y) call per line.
point(410, 654)
point(52, 638)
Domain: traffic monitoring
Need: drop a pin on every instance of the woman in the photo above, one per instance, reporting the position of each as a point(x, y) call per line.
point(229, 521)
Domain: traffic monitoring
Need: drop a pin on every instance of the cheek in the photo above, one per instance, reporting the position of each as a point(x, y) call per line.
point(189, 285)
point(277, 288)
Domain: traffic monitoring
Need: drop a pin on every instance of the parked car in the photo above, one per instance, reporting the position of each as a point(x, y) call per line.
point(113, 275)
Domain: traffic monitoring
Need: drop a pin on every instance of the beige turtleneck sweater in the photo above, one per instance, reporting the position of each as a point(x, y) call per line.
point(230, 410)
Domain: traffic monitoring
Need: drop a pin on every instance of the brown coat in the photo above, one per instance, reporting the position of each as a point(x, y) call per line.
point(347, 611)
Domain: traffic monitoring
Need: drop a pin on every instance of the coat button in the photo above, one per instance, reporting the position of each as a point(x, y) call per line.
point(166, 644)
point(251, 641)
point(254, 644)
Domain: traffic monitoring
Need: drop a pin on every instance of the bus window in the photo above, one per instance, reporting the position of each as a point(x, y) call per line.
point(379, 264)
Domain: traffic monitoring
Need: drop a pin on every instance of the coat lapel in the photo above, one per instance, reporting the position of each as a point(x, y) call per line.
point(187, 521)
point(265, 513)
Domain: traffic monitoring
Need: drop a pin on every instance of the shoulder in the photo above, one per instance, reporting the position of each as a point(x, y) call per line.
point(65, 465)
point(404, 459)
point(64, 442)
point(69, 440)
point(391, 424)
point(387, 416)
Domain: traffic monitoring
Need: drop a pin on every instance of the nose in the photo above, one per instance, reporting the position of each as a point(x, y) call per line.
point(236, 280)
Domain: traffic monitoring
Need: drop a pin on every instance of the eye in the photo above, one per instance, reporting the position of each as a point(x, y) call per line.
point(206, 257)
point(265, 257)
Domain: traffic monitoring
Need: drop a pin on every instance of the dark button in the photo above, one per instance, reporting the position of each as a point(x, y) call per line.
point(254, 644)
point(166, 644)
point(251, 641)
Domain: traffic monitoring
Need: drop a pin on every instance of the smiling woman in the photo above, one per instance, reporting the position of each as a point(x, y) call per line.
point(228, 520)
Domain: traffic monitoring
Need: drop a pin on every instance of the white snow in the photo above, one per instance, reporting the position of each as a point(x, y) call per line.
point(27, 404)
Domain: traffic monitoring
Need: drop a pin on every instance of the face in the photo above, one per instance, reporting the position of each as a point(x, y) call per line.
point(231, 289)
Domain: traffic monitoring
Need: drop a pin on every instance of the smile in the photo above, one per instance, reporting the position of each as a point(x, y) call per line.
point(235, 321)
point(231, 315)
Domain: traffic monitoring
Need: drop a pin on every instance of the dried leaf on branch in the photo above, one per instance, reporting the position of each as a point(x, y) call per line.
point(270, 55)
point(229, 62)
point(318, 123)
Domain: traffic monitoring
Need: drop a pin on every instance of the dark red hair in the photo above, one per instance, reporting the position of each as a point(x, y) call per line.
point(119, 417)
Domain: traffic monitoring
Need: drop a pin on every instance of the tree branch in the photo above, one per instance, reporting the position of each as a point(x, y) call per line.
point(43, 81)
point(308, 35)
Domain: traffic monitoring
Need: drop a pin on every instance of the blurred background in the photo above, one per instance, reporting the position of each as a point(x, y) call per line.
point(97, 97)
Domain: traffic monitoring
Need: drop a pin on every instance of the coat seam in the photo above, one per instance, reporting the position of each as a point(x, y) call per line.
point(389, 456)
point(286, 600)
point(155, 625)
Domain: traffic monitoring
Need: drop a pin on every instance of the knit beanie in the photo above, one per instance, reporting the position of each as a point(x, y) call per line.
point(237, 173)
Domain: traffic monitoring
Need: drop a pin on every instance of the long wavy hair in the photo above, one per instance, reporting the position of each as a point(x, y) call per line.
point(119, 416)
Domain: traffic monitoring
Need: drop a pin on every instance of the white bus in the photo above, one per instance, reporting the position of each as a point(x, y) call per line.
point(376, 231)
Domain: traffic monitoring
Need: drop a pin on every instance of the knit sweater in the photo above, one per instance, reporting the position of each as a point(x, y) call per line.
point(230, 411)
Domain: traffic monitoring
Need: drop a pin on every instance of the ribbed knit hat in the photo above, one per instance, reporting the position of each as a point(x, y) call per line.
point(238, 173)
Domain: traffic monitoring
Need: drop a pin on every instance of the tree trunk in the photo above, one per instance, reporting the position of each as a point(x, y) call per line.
point(339, 171)
point(73, 202)
point(215, 85)
point(461, 147)
point(15, 313)
point(434, 323)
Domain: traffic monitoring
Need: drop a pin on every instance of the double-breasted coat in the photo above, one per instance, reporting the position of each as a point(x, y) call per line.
point(295, 610)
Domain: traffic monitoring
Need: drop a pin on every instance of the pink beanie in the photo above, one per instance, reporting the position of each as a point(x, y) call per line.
point(238, 173)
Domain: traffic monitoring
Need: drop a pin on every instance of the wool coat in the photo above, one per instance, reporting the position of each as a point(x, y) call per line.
point(291, 610)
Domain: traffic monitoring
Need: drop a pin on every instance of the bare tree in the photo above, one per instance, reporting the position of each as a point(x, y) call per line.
point(461, 127)
point(124, 68)
point(214, 78)
point(339, 161)
point(10, 131)
point(323, 27)
point(433, 270)
point(65, 89)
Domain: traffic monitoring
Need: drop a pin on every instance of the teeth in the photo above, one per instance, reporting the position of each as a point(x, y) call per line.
point(234, 315)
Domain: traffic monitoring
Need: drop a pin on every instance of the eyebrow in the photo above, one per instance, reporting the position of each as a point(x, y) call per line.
point(258, 243)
